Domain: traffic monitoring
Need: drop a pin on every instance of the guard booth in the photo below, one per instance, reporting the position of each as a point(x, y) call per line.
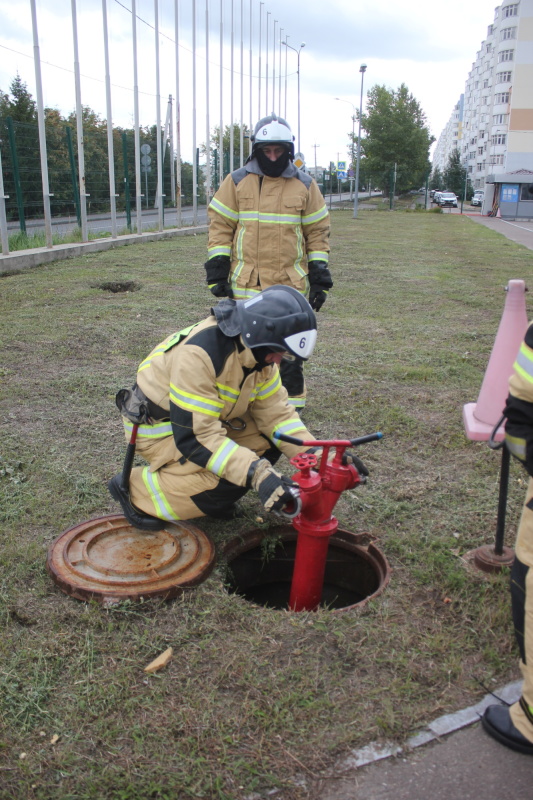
point(509, 195)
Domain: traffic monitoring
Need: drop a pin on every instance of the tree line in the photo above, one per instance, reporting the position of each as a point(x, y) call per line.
point(19, 142)
point(394, 153)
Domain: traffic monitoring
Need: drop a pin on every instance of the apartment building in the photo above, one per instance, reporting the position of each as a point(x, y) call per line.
point(450, 138)
point(492, 124)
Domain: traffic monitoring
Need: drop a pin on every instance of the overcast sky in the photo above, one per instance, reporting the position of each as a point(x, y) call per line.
point(428, 46)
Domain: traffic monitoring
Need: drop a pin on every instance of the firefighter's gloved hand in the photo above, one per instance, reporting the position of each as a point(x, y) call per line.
point(217, 271)
point(317, 297)
point(221, 289)
point(320, 281)
point(274, 489)
point(350, 458)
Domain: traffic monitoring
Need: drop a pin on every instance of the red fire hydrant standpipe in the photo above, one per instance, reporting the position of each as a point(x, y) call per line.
point(314, 522)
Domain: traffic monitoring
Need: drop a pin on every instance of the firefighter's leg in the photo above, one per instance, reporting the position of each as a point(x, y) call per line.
point(522, 602)
point(292, 378)
point(171, 494)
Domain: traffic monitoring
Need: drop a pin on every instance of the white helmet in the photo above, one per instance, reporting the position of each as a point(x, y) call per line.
point(273, 130)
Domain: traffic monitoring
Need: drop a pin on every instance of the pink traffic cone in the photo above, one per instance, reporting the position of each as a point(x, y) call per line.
point(481, 417)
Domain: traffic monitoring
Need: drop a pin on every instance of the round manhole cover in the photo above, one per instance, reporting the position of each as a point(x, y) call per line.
point(109, 560)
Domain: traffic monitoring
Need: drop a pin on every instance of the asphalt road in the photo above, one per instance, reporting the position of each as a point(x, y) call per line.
point(101, 223)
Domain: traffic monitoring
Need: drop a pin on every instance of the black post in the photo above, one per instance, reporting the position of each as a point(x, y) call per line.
point(16, 173)
point(502, 501)
point(126, 179)
point(74, 178)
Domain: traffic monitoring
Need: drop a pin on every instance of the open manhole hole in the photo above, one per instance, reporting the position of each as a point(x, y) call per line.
point(118, 286)
point(108, 560)
point(260, 566)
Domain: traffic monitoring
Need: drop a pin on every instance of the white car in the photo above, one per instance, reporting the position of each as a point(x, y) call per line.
point(477, 199)
point(447, 199)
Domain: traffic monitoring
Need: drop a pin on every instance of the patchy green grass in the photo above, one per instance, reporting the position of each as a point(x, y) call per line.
point(253, 699)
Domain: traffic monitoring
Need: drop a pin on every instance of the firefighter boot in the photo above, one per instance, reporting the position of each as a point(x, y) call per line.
point(497, 722)
point(136, 518)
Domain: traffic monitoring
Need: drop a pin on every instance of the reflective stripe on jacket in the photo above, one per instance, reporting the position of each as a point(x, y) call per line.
point(270, 227)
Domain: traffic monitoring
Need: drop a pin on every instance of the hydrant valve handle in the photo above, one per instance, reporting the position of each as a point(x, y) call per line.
point(372, 437)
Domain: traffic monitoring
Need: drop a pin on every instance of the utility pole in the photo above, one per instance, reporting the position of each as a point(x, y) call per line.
point(362, 70)
point(315, 147)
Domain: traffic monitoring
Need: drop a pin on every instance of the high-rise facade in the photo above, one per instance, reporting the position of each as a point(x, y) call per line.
point(492, 124)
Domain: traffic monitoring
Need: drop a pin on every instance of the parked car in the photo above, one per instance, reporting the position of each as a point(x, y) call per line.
point(436, 196)
point(447, 199)
point(477, 199)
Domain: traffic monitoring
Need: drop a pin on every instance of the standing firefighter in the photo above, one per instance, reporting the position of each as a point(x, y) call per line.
point(513, 726)
point(210, 400)
point(268, 224)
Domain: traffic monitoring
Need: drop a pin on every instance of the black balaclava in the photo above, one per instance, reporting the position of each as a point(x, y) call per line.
point(272, 168)
point(260, 353)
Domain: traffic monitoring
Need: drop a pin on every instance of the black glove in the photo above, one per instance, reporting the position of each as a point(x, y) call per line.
point(274, 489)
point(217, 273)
point(519, 430)
point(350, 458)
point(320, 281)
point(347, 458)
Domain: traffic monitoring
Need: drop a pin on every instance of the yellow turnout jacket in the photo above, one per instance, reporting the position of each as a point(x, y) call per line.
point(270, 228)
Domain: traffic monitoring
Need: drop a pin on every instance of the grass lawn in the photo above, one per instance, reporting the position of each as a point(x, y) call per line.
point(254, 700)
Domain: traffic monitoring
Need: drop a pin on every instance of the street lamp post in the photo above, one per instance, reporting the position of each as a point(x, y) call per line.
point(362, 70)
point(298, 73)
point(353, 133)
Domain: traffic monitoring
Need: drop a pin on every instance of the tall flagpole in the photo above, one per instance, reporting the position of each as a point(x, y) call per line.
point(260, 46)
point(279, 78)
point(178, 119)
point(221, 131)
point(241, 138)
point(42, 132)
point(274, 66)
point(79, 127)
point(250, 109)
point(110, 155)
point(286, 51)
point(160, 189)
point(207, 122)
point(231, 128)
point(136, 133)
point(194, 160)
point(266, 67)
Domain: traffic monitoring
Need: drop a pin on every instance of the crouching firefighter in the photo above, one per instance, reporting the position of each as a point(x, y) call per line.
point(513, 726)
point(205, 407)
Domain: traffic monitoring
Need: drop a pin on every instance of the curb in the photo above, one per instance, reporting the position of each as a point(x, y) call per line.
point(376, 751)
point(20, 260)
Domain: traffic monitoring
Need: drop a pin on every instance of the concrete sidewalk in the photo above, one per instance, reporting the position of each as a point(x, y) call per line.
point(520, 232)
point(452, 758)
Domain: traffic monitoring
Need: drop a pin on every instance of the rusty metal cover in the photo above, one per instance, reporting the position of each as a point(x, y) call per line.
point(107, 559)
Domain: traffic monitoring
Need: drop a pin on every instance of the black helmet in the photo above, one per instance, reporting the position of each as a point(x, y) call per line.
point(273, 130)
point(279, 319)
